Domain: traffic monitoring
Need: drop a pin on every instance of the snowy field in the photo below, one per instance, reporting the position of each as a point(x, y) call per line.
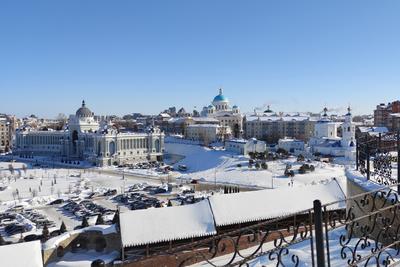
point(209, 164)
point(36, 187)
point(41, 184)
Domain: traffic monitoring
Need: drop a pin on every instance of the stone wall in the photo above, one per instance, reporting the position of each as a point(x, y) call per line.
point(81, 242)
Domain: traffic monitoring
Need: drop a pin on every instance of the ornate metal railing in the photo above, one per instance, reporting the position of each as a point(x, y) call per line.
point(377, 158)
point(363, 230)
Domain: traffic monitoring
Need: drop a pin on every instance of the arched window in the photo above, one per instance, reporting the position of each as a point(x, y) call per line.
point(111, 147)
point(99, 148)
point(157, 145)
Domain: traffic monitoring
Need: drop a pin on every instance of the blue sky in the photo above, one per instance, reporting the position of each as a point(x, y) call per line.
point(143, 56)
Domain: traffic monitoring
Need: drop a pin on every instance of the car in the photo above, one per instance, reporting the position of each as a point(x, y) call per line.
point(182, 167)
point(57, 202)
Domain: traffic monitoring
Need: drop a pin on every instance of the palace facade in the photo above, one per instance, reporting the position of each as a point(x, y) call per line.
point(84, 138)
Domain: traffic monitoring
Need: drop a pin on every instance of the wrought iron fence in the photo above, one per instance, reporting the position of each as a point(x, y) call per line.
point(363, 230)
point(377, 157)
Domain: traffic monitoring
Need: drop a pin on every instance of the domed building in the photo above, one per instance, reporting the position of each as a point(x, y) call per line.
point(326, 141)
point(85, 139)
point(229, 117)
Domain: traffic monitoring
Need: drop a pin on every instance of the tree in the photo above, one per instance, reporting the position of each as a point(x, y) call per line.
point(63, 228)
point(11, 168)
point(2, 242)
point(312, 168)
point(264, 166)
point(236, 131)
point(45, 233)
point(99, 220)
point(61, 121)
point(115, 220)
point(24, 168)
point(300, 158)
point(85, 222)
point(252, 155)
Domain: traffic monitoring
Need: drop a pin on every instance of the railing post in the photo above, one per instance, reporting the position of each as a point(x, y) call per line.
point(357, 156)
point(368, 165)
point(319, 234)
point(398, 161)
point(379, 142)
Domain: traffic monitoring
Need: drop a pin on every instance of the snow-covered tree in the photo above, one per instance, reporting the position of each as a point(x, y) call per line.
point(99, 220)
point(63, 228)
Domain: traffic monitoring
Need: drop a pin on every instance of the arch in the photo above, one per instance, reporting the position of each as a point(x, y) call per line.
point(75, 138)
point(60, 251)
point(111, 148)
point(101, 244)
point(99, 148)
point(157, 145)
point(79, 243)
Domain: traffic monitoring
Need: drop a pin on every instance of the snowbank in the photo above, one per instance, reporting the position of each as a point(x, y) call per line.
point(84, 259)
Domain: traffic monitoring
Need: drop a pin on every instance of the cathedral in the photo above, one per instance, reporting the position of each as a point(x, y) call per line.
point(326, 141)
point(86, 139)
point(228, 116)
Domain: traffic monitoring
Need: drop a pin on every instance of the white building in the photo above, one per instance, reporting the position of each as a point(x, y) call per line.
point(326, 141)
point(293, 146)
point(228, 116)
point(271, 126)
point(86, 139)
point(244, 147)
point(207, 133)
point(5, 133)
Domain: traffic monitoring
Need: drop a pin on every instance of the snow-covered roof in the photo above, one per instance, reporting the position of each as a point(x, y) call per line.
point(165, 115)
point(397, 115)
point(204, 126)
point(266, 204)
point(237, 141)
point(373, 129)
point(277, 118)
point(204, 119)
point(289, 140)
point(166, 224)
point(22, 254)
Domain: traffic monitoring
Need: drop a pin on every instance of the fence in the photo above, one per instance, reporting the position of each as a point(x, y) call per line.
point(382, 151)
point(363, 230)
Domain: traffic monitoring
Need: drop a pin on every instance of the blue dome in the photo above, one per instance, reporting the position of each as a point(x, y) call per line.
point(220, 97)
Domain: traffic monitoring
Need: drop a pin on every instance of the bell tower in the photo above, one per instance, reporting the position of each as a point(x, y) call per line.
point(348, 130)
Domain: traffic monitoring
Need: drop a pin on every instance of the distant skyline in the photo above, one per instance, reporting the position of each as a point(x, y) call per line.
point(145, 56)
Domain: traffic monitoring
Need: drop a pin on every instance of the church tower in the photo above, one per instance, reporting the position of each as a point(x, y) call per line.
point(348, 130)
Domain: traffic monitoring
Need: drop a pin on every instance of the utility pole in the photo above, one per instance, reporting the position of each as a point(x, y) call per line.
point(215, 179)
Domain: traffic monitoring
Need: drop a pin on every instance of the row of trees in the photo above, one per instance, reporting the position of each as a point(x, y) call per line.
point(85, 223)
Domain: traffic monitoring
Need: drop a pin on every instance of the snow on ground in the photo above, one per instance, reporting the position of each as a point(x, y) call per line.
point(44, 182)
point(203, 162)
point(37, 187)
point(84, 259)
